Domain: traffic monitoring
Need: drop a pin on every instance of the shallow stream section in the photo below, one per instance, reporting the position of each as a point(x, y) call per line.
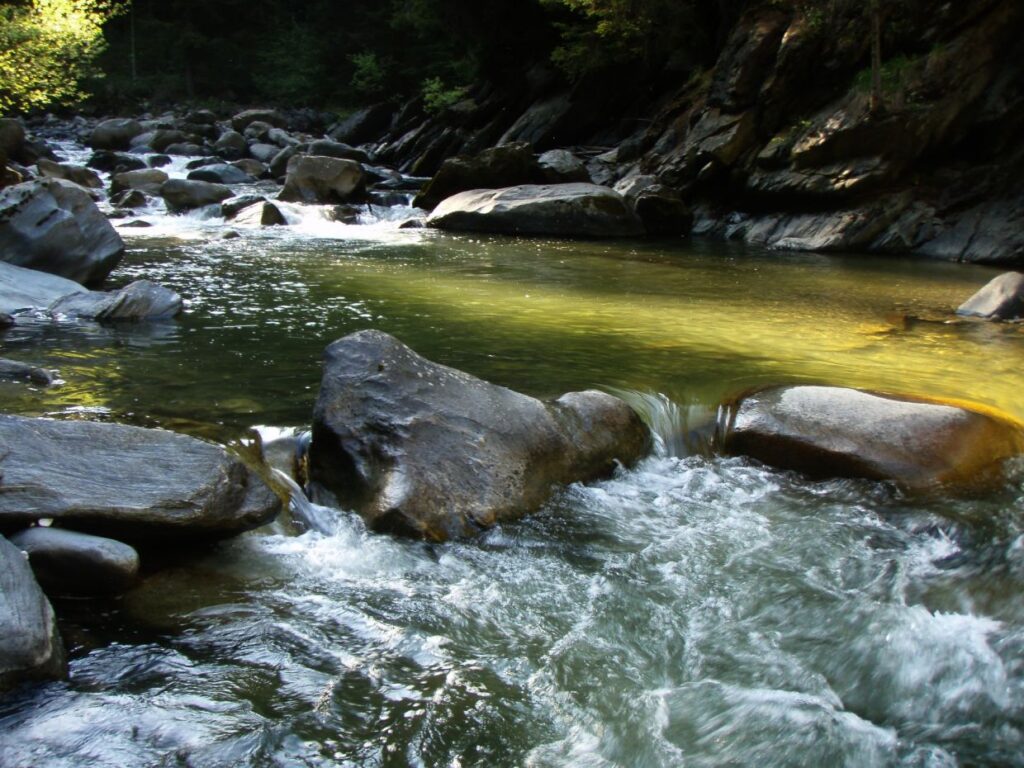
point(693, 611)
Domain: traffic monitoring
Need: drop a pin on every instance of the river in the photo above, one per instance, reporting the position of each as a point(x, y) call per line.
point(694, 611)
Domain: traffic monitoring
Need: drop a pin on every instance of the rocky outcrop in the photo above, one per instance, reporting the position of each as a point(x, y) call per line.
point(30, 645)
point(363, 125)
point(420, 449)
point(509, 165)
point(54, 226)
point(1002, 298)
point(561, 210)
point(318, 179)
point(183, 194)
point(835, 432)
point(68, 563)
point(129, 483)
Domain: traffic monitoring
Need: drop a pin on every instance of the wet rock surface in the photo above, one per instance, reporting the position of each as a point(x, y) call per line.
point(425, 450)
point(77, 564)
point(130, 483)
point(1002, 298)
point(837, 432)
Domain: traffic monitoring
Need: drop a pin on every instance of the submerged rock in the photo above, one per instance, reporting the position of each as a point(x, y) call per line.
point(1002, 298)
point(72, 563)
point(561, 210)
point(12, 370)
point(30, 646)
point(141, 300)
point(421, 449)
point(837, 432)
point(54, 226)
point(130, 483)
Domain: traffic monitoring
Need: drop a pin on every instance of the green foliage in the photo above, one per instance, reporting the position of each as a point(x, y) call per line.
point(370, 75)
point(438, 97)
point(47, 48)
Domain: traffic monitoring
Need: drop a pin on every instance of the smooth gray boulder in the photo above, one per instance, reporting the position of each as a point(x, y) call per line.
point(261, 214)
point(837, 432)
point(79, 174)
point(318, 179)
point(558, 210)
point(1001, 298)
point(115, 162)
point(231, 145)
point(147, 180)
point(12, 370)
point(68, 563)
point(54, 226)
point(328, 148)
point(244, 119)
point(560, 166)
point(183, 195)
point(140, 300)
point(29, 289)
point(494, 168)
point(30, 645)
point(116, 133)
point(221, 173)
point(421, 449)
point(128, 483)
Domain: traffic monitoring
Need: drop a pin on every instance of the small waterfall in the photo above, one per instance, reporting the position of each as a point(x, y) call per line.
point(313, 516)
point(680, 429)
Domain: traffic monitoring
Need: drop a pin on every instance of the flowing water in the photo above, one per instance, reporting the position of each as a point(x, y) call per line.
point(693, 611)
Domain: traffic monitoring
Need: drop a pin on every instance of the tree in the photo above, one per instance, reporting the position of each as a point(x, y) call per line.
point(47, 47)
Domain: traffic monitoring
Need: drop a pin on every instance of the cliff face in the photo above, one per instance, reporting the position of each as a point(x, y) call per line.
point(778, 144)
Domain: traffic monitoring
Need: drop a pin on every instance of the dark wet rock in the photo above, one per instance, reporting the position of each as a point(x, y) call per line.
point(280, 137)
point(1002, 298)
point(663, 211)
point(260, 131)
point(186, 149)
point(28, 289)
point(54, 226)
point(747, 59)
point(12, 370)
point(561, 210)
point(201, 117)
point(328, 148)
point(421, 449)
point(251, 166)
point(115, 134)
point(6, 320)
point(148, 181)
point(278, 164)
point(835, 432)
point(30, 645)
point(158, 161)
point(12, 138)
point(159, 140)
point(130, 198)
point(230, 207)
point(316, 179)
point(230, 145)
point(364, 125)
point(272, 117)
point(78, 174)
point(230, 234)
point(509, 165)
point(202, 162)
point(266, 153)
point(221, 173)
point(183, 194)
point(539, 122)
point(141, 300)
point(132, 484)
point(560, 166)
point(115, 162)
point(412, 224)
point(68, 563)
point(137, 224)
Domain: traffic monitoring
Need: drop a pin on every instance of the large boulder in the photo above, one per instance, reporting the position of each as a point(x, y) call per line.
point(54, 226)
point(184, 194)
point(365, 125)
point(328, 148)
point(506, 166)
point(1001, 298)
point(149, 181)
point(837, 432)
point(261, 214)
point(29, 289)
point(30, 645)
point(141, 300)
point(561, 210)
point(230, 145)
point(319, 179)
point(421, 449)
point(115, 134)
point(72, 563)
point(243, 120)
point(115, 162)
point(129, 483)
point(78, 174)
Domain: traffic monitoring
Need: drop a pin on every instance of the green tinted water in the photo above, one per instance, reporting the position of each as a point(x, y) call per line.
point(697, 611)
